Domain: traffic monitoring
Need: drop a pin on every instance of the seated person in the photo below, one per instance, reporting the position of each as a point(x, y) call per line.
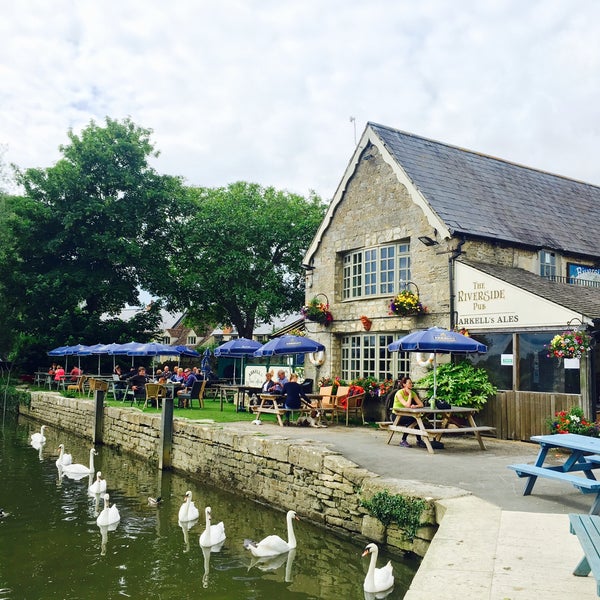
point(138, 383)
point(189, 382)
point(294, 395)
point(281, 381)
point(75, 373)
point(406, 398)
point(59, 374)
point(267, 386)
point(179, 376)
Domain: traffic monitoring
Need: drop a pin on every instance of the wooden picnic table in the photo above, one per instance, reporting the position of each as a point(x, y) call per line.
point(582, 457)
point(433, 423)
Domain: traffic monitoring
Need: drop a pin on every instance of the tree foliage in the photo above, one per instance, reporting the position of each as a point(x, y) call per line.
point(236, 258)
point(85, 230)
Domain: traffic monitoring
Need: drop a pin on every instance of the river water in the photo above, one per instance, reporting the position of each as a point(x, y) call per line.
point(52, 548)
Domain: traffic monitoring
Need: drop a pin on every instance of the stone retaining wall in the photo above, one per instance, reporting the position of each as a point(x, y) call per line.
point(319, 483)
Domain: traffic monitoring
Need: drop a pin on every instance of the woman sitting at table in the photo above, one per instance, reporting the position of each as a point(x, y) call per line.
point(406, 398)
point(59, 375)
point(268, 385)
point(294, 394)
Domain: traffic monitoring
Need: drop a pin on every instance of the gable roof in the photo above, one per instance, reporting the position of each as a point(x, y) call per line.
point(578, 298)
point(479, 195)
point(462, 192)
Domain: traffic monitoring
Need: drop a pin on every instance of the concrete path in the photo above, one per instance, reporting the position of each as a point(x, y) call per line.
point(493, 543)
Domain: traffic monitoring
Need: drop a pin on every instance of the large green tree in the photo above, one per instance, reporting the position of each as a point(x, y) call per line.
point(85, 230)
point(236, 257)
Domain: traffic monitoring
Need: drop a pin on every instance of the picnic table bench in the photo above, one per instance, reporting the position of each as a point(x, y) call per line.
point(583, 457)
point(587, 530)
point(432, 423)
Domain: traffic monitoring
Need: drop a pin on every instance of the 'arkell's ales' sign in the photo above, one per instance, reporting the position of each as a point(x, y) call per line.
point(485, 302)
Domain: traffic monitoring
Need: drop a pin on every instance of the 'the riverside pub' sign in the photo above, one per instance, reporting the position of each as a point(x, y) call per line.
point(486, 303)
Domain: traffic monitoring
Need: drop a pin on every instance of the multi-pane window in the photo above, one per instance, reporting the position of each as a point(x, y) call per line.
point(367, 356)
point(352, 279)
point(547, 263)
point(382, 270)
point(191, 340)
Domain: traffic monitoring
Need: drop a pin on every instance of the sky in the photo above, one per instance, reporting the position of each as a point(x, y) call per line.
point(278, 92)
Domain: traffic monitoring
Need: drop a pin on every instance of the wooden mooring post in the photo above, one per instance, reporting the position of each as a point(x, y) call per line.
point(166, 435)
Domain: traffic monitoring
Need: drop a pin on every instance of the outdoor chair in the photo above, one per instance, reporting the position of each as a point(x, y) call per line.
point(97, 385)
point(156, 392)
point(78, 386)
point(340, 396)
point(196, 393)
point(327, 400)
point(350, 404)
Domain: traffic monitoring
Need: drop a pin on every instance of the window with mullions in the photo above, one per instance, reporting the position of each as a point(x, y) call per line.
point(367, 356)
point(547, 263)
point(376, 271)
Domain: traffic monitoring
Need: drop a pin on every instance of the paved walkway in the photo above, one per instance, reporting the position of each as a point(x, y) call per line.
point(493, 543)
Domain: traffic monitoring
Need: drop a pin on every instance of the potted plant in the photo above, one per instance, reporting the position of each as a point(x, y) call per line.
point(573, 421)
point(460, 384)
point(406, 303)
point(569, 344)
point(317, 311)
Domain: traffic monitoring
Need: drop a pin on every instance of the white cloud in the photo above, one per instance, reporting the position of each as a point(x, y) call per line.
point(262, 90)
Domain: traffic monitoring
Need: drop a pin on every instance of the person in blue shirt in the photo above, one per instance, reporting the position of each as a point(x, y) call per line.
point(294, 395)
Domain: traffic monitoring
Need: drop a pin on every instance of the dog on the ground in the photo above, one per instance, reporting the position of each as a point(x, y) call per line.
point(311, 420)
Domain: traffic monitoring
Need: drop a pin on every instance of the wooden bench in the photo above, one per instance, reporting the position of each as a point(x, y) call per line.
point(584, 484)
point(587, 530)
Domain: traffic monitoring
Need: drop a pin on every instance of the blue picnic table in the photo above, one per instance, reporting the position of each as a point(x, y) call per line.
point(582, 458)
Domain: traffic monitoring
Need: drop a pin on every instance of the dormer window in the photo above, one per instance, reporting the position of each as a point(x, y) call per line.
point(547, 263)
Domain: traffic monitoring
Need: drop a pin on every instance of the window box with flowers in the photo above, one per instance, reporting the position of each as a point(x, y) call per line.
point(317, 311)
point(407, 304)
point(569, 344)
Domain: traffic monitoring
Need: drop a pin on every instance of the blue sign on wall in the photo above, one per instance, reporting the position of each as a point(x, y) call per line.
point(582, 272)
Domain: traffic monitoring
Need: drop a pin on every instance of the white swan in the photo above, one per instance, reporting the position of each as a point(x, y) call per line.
point(273, 544)
point(99, 486)
point(109, 515)
point(77, 470)
point(188, 510)
point(63, 458)
point(377, 579)
point(38, 437)
point(213, 535)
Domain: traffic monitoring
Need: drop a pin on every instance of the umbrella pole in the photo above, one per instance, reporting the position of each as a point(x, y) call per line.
point(434, 375)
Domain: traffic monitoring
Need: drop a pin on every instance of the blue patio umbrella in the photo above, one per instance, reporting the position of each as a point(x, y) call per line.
point(437, 341)
point(185, 351)
point(60, 351)
point(205, 364)
point(289, 344)
point(238, 348)
point(77, 350)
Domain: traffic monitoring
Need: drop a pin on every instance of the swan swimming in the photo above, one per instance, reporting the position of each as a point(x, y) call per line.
point(99, 486)
point(39, 437)
point(188, 510)
point(109, 515)
point(377, 579)
point(63, 458)
point(77, 470)
point(273, 544)
point(213, 535)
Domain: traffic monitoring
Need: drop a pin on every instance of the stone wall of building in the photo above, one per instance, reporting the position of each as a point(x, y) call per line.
point(318, 483)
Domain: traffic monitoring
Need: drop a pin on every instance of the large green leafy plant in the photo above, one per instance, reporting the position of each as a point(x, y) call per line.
point(460, 384)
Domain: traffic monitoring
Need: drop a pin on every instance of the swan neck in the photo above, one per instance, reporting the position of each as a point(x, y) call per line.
point(370, 578)
point(290, 530)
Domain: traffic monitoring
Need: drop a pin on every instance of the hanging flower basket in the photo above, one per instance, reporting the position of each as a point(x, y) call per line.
point(406, 304)
point(569, 344)
point(317, 311)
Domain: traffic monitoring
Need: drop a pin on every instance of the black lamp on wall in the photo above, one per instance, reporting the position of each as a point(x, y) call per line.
point(427, 240)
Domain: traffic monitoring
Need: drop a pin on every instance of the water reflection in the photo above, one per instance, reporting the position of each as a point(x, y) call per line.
point(185, 528)
point(104, 529)
point(53, 533)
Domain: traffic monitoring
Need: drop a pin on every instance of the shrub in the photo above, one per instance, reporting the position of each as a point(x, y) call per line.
point(460, 384)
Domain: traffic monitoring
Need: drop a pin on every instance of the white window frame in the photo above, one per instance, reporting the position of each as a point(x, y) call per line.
point(366, 355)
point(547, 263)
point(376, 271)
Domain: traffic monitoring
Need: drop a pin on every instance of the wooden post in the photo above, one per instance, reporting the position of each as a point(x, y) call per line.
point(166, 435)
point(98, 415)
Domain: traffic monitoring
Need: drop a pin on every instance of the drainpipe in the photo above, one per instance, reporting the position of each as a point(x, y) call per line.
point(455, 254)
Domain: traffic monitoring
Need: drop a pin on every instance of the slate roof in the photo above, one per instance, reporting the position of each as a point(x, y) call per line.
point(483, 196)
point(582, 299)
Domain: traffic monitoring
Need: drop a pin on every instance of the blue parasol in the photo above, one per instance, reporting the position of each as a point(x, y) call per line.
point(205, 364)
point(437, 341)
point(238, 348)
point(289, 344)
